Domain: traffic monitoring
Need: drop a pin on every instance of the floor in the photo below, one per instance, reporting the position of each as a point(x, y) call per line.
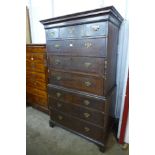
point(44, 140)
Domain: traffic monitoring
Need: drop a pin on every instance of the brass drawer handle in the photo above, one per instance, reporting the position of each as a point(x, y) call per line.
point(86, 115)
point(87, 64)
point(57, 46)
point(71, 45)
point(58, 94)
point(57, 61)
point(60, 117)
point(32, 58)
point(58, 78)
point(87, 83)
point(86, 102)
point(88, 44)
point(52, 34)
point(59, 105)
point(95, 27)
point(86, 129)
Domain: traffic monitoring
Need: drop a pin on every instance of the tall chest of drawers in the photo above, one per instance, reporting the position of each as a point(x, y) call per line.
point(82, 59)
point(36, 76)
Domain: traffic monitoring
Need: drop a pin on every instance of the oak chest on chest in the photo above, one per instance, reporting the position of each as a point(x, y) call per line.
point(82, 59)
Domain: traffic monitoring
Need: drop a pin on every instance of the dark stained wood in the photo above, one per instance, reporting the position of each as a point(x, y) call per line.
point(78, 64)
point(77, 125)
point(77, 81)
point(82, 61)
point(36, 76)
point(92, 47)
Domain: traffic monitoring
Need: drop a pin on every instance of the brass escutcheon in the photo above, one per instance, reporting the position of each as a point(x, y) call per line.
point(86, 129)
point(86, 115)
point(58, 94)
point(87, 83)
point(86, 102)
point(95, 27)
point(87, 64)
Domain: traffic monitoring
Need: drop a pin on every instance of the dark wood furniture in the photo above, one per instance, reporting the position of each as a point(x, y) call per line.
point(82, 60)
point(36, 76)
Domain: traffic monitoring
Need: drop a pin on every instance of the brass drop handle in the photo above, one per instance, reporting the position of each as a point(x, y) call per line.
point(52, 34)
point(58, 94)
point(87, 64)
point(57, 61)
point(58, 78)
point(86, 129)
point(86, 102)
point(95, 27)
point(88, 44)
point(87, 83)
point(60, 117)
point(57, 46)
point(59, 105)
point(86, 115)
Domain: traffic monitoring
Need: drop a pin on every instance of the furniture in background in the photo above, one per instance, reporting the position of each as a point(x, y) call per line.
point(82, 61)
point(36, 76)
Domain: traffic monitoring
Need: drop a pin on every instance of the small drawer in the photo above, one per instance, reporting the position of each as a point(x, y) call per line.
point(52, 33)
point(71, 31)
point(80, 64)
point(82, 127)
point(79, 99)
point(96, 29)
point(78, 111)
point(35, 57)
point(77, 81)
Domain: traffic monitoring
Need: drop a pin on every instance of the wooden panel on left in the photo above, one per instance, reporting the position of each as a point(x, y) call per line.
point(36, 77)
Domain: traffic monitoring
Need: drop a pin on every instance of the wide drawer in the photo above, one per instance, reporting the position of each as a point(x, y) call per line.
point(81, 64)
point(82, 127)
point(35, 67)
point(36, 99)
point(35, 49)
point(81, 82)
point(35, 57)
point(95, 47)
point(76, 98)
point(37, 80)
point(78, 111)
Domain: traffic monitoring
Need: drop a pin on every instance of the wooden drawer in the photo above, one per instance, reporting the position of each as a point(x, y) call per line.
point(37, 92)
point(77, 81)
point(37, 80)
point(52, 33)
point(35, 57)
point(81, 64)
point(76, 98)
point(78, 125)
point(36, 99)
point(96, 29)
point(95, 47)
point(78, 111)
point(35, 49)
point(71, 31)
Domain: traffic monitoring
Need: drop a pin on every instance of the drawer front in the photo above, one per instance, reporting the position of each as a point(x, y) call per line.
point(36, 57)
point(71, 31)
point(37, 49)
point(77, 81)
point(77, 111)
point(34, 66)
point(36, 99)
point(81, 64)
point(52, 33)
point(79, 99)
point(77, 125)
point(37, 80)
point(96, 29)
point(37, 92)
point(78, 47)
